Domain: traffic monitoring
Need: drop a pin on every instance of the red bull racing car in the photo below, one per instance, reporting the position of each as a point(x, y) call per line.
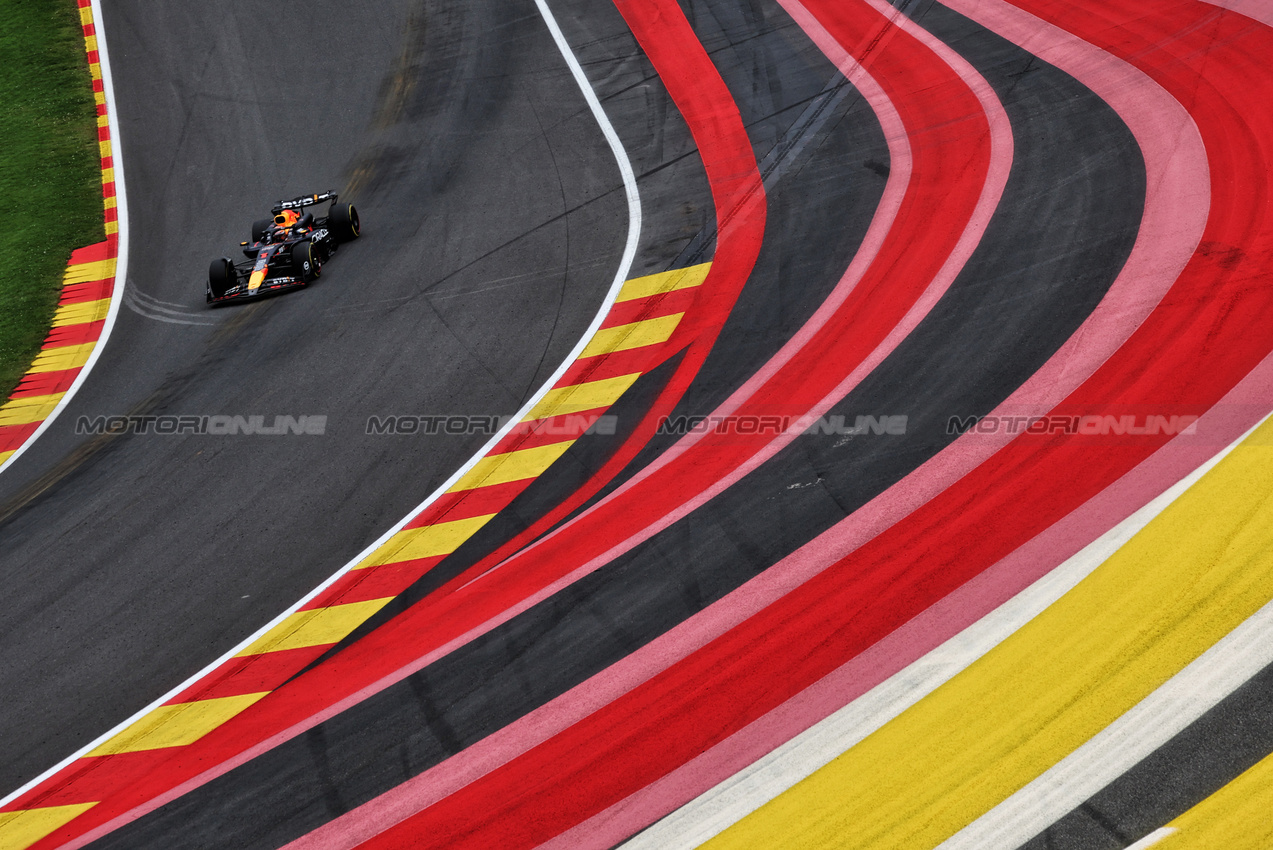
point(286, 251)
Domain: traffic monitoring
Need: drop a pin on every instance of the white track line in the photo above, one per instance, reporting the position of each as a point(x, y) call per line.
point(1153, 838)
point(1119, 747)
point(745, 792)
point(621, 275)
point(121, 258)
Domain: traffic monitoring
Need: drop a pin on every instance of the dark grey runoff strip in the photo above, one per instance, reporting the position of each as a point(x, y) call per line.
point(1066, 223)
point(1209, 754)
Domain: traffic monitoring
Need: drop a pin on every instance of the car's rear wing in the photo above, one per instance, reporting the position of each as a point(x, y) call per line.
point(303, 201)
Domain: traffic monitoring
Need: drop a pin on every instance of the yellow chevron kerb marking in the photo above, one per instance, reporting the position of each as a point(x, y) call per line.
point(511, 466)
point(316, 626)
point(577, 398)
point(63, 357)
point(20, 829)
point(24, 411)
point(78, 314)
point(176, 725)
point(1186, 580)
point(441, 538)
point(96, 270)
point(657, 284)
point(632, 335)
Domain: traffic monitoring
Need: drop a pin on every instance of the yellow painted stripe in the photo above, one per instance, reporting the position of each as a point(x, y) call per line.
point(111, 202)
point(655, 284)
point(108, 175)
point(441, 538)
point(1188, 578)
point(64, 357)
point(90, 42)
point(632, 335)
point(1237, 817)
point(95, 70)
point(24, 411)
point(579, 397)
point(100, 98)
point(511, 466)
point(86, 15)
point(20, 829)
point(103, 121)
point(104, 146)
point(316, 626)
point(6, 455)
point(78, 314)
point(81, 272)
point(176, 725)
point(112, 227)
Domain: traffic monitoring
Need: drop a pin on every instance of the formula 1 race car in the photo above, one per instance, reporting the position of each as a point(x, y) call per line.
point(286, 251)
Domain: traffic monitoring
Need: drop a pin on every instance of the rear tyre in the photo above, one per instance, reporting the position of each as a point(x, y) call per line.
point(259, 227)
point(220, 277)
point(342, 220)
point(305, 264)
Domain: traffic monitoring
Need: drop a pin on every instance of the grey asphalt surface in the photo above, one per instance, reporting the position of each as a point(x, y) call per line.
point(494, 220)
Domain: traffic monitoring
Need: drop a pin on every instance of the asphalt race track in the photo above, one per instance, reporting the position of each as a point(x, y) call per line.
point(887, 466)
point(213, 143)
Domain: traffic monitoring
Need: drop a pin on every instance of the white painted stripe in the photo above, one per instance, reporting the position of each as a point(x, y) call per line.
point(1150, 724)
point(1153, 838)
point(740, 795)
point(121, 263)
point(620, 277)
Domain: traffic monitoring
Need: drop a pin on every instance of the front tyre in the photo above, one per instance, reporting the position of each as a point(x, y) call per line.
point(220, 277)
point(342, 220)
point(305, 264)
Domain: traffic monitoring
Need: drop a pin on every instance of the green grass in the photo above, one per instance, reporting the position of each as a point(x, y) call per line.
point(50, 178)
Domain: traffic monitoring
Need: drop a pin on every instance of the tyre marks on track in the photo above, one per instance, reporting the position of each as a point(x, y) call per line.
point(1161, 601)
point(523, 814)
point(1186, 449)
point(113, 764)
point(635, 335)
point(739, 197)
point(435, 539)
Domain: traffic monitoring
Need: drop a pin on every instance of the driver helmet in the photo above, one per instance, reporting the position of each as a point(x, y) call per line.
point(287, 218)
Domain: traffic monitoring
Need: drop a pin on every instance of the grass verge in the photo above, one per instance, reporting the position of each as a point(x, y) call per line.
point(50, 170)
